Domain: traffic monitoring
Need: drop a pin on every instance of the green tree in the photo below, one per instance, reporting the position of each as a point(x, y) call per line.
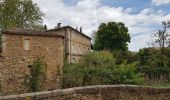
point(20, 13)
point(98, 68)
point(122, 56)
point(94, 68)
point(127, 74)
point(112, 36)
point(161, 37)
point(152, 66)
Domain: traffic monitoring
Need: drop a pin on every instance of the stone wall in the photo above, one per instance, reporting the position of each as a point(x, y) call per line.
point(15, 61)
point(79, 45)
point(99, 92)
point(76, 43)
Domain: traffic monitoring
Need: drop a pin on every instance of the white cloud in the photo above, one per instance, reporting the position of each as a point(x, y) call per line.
point(90, 13)
point(140, 42)
point(160, 2)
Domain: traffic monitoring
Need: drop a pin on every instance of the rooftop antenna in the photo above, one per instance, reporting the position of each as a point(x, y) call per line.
point(81, 29)
point(58, 25)
point(45, 27)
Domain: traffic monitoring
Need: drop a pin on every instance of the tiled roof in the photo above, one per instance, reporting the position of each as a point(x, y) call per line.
point(55, 29)
point(19, 31)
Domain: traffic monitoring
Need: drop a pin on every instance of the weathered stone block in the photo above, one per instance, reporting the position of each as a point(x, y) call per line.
point(27, 96)
point(0, 97)
point(43, 95)
point(11, 97)
point(92, 90)
point(80, 90)
point(67, 92)
point(56, 93)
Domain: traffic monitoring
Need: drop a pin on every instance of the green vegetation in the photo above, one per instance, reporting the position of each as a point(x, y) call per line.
point(149, 66)
point(111, 36)
point(99, 68)
point(120, 67)
point(160, 85)
point(20, 13)
point(37, 75)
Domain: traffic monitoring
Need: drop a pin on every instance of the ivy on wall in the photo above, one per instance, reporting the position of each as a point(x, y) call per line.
point(37, 75)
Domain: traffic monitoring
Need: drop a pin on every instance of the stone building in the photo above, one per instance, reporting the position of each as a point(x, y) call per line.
point(20, 47)
point(76, 43)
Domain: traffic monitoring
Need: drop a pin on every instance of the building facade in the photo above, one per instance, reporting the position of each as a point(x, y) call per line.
point(76, 43)
point(21, 47)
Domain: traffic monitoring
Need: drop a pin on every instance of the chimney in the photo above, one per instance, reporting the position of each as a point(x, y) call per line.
point(81, 29)
point(76, 28)
point(45, 27)
point(58, 25)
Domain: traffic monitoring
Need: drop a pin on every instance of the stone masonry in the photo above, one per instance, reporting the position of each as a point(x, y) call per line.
point(20, 47)
point(16, 60)
point(76, 43)
point(99, 92)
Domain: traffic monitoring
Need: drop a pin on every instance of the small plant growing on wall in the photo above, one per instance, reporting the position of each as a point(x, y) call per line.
point(37, 75)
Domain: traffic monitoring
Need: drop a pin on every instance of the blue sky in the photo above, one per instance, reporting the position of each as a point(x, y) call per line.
point(137, 5)
point(142, 17)
point(134, 4)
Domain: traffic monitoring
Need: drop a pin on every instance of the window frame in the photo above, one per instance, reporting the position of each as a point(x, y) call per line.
point(26, 38)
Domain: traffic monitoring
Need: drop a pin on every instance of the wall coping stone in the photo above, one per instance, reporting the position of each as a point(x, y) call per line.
point(95, 89)
point(44, 94)
point(27, 95)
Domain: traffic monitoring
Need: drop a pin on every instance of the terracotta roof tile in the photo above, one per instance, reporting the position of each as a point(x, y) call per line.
point(18, 31)
point(55, 29)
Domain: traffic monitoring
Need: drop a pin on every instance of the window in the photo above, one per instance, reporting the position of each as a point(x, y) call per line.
point(26, 44)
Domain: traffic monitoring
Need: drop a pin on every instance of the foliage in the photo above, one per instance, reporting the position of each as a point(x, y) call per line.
point(112, 36)
point(37, 75)
point(98, 59)
point(167, 54)
point(94, 68)
point(127, 56)
point(127, 74)
point(99, 68)
point(151, 65)
point(161, 37)
point(20, 13)
point(160, 85)
point(0, 43)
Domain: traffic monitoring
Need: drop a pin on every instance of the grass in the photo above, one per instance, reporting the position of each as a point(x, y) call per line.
point(160, 85)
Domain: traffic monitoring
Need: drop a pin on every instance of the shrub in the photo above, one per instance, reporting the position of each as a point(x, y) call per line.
point(127, 74)
point(98, 58)
point(94, 68)
point(37, 75)
point(153, 64)
point(98, 68)
point(122, 56)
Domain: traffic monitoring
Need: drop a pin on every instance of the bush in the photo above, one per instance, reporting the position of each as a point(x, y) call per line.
point(98, 58)
point(37, 75)
point(98, 68)
point(122, 56)
point(127, 74)
point(94, 68)
point(152, 64)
